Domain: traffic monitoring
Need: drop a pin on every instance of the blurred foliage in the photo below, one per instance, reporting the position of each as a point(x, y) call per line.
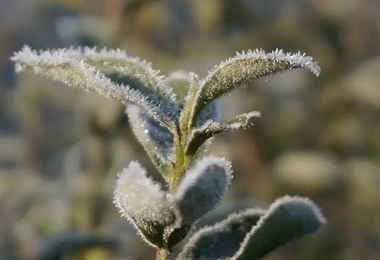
point(60, 149)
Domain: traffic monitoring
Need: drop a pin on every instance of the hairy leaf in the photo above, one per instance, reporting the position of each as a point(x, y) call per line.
point(223, 239)
point(156, 139)
point(200, 135)
point(210, 128)
point(287, 218)
point(243, 68)
point(143, 202)
point(202, 188)
point(243, 121)
point(110, 73)
point(123, 69)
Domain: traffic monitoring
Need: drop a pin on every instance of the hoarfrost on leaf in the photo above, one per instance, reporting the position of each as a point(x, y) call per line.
point(203, 187)
point(144, 203)
point(210, 128)
point(286, 219)
point(245, 67)
point(109, 73)
point(223, 239)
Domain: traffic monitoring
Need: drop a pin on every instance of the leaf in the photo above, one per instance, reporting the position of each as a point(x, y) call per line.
point(243, 121)
point(223, 239)
point(179, 82)
point(137, 73)
point(110, 73)
point(145, 204)
point(243, 68)
point(211, 112)
point(60, 246)
point(202, 188)
point(201, 134)
point(286, 219)
point(156, 139)
point(210, 128)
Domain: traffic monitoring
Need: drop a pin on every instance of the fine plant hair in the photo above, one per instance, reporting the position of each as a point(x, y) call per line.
point(174, 118)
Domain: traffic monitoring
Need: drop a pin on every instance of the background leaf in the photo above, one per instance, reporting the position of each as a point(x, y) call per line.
point(179, 82)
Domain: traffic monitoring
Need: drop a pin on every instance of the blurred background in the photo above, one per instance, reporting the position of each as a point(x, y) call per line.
point(60, 148)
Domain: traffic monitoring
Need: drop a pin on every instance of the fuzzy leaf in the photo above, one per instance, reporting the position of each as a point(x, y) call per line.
point(156, 139)
point(202, 188)
point(223, 239)
point(210, 128)
point(243, 121)
point(110, 73)
point(243, 68)
point(137, 73)
point(286, 219)
point(200, 135)
point(143, 202)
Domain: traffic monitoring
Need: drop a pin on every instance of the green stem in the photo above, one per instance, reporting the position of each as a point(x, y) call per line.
point(178, 167)
point(182, 160)
point(181, 138)
point(163, 254)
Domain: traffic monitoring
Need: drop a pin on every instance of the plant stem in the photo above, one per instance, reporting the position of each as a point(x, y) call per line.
point(163, 254)
point(182, 160)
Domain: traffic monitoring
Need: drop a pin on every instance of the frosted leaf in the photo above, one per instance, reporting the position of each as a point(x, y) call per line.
point(144, 203)
point(119, 63)
point(199, 135)
point(156, 140)
point(221, 240)
point(243, 121)
point(243, 68)
point(110, 73)
point(202, 188)
point(189, 101)
point(286, 219)
point(210, 128)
